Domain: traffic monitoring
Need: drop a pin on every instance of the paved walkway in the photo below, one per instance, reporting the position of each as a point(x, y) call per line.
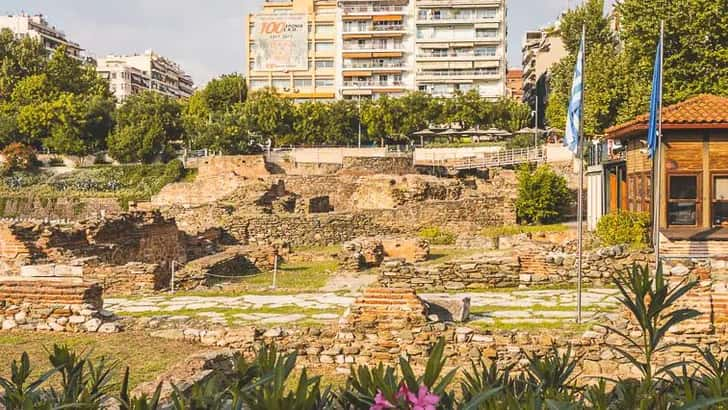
point(507, 307)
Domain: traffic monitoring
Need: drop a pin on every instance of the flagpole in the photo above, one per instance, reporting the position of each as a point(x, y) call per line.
point(657, 169)
point(580, 194)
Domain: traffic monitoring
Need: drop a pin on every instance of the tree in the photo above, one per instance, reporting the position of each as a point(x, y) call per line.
point(19, 58)
point(145, 124)
point(602, 71)
point(542, 195)
point(696, 55)
point(267, 115)
point(222, 93)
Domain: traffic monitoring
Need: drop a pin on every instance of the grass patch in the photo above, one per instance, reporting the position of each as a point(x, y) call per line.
point(292, 278)
point(146, 356)
point(510, 230)
point(230, 312)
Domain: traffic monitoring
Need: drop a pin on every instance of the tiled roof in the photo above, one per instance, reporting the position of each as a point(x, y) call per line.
point(700, 111)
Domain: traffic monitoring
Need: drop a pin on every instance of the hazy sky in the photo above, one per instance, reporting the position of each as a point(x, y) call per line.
point(207, 37)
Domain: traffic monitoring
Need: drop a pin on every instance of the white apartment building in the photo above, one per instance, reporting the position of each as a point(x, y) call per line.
point(382, 47)
point(461, 46)
point(128, 75)
point(37, 27)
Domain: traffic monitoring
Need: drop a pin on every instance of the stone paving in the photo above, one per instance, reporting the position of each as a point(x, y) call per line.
point(507, 307)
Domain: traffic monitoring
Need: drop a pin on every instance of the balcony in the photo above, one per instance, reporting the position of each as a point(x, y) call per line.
point(445, 74)
point(461, 55)
point(373, 64)
point(373, 9)
point(374, 29)
point(374, 46)
point(372, 84)
point(456, 19)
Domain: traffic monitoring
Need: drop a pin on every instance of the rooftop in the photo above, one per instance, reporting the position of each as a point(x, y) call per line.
point(704, 111)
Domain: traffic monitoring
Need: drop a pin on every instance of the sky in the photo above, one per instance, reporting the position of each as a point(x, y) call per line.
point(207, 37)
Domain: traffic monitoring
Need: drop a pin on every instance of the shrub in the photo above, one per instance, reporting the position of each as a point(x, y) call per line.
point(436, 236)
point(510, 230)
point(624, 227)
point(520, 141)
point(543, 195)
point(56, 162)
point(18, 157)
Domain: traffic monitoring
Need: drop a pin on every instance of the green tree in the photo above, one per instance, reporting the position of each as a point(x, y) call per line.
point(696, 49)
point(222, 93)
point(145, 124)
point(267, 115)
point(543, 195)
point(19, 58)
point(603, 70)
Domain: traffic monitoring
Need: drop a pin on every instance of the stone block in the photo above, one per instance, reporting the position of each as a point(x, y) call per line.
point(451, 309)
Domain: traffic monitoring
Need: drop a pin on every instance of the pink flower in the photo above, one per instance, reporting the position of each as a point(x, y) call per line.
point(424, 400)
point(381, 403)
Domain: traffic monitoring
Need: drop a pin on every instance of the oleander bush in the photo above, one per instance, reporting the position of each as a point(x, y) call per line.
point(547, 382)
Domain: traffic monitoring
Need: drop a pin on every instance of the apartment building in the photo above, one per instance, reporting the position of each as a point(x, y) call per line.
point(514, 84)
point(461, 46)
point(300, 64)
point(377, 45)
point(541, 50)
point(37, 27)
point(369, 48)
point(131, 74)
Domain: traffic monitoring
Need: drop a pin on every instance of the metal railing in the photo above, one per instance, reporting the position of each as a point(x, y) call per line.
point(457, 73)
point(375, 64)
point(370, 46)
point(490, 160)
point(355, 29)
point(372, 83)
point(373, 9)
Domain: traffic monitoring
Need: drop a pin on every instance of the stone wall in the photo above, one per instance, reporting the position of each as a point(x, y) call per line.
point(53, 304)
point(133, 278)
point(71, 209)
point(386, 324)
point(378, 165)
point(488, 272)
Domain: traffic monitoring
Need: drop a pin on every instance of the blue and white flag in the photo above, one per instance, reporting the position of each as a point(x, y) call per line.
point(574, 116)
point(655, 103)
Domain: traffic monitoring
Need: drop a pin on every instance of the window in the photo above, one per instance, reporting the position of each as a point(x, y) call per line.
point(486, 33)
point(325, 29)
point(682, 208)
point(257, 84)
point(487, 13)
point(324, 46)
point(281, 83)
point(302, 82)
point(485, 51)
point(324, 82)
point(325, 64)
point(720, 200)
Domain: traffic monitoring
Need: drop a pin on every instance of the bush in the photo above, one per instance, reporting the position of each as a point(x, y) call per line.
point(436, 236)
point(56, 162)
point(543, 195)
point(520, 141)
point(511, 230)
point(624, 227)
point(18, 157)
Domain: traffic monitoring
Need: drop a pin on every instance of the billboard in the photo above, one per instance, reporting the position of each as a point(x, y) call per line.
point(281, 42)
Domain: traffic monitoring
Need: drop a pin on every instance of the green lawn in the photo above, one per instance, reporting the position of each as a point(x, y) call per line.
point(229, 313)
point(146, 356)
point(294, 277)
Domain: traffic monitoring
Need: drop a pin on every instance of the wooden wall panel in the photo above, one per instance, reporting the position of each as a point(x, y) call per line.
point(637, 160)
point(685, 156)
point(718, 155)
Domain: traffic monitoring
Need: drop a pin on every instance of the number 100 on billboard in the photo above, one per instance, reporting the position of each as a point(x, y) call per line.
point(281, 42)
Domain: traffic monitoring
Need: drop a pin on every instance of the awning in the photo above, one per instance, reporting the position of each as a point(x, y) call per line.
point(357, 55)
point(353, 35)
point(357, 73)
point(390, 17)
point(357, 92)
point(350, 18)
point(388, 54)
